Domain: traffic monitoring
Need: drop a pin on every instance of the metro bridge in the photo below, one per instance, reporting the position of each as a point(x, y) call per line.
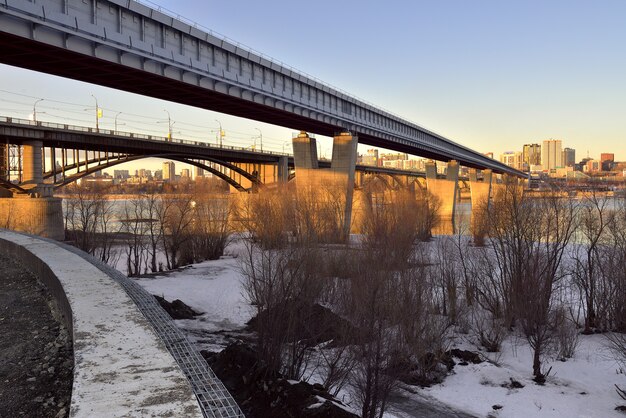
point(128, 46)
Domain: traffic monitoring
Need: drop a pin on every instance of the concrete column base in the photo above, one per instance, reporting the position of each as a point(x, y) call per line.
point(38, 216)
point(445, 190)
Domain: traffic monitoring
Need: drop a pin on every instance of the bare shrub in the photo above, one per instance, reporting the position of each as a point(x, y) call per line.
point(445, 275)
point(283, 285)
point(390, 303)
point(376, 346)
point(489, 330)
point(391, 229)
point(320, 211)
point(210, 228)
point(266, 216)
point(567, 334)
point(427, 211)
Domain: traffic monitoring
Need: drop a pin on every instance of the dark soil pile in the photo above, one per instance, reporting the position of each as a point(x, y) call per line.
point(177, 309)
point(311, 324)
point(36, 358)
point(262, 393)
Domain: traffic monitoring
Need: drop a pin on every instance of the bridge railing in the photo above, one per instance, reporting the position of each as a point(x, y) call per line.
point(133, 135)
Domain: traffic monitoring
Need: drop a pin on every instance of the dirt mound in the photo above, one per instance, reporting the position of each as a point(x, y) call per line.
point(465, 356)
point(177, 309)
point(311, 324)
point(263, 393)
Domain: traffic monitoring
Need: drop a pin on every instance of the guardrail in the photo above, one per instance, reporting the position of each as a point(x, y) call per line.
point(133, 135)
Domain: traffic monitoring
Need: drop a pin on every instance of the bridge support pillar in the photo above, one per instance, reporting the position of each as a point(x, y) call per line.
point(4, 162)
point(343, 167)
point(445, 191)
point(283, 170)
point(32, 175)
point(480, 194)
point(329, 187)
point(305, 152)
point(35, 212)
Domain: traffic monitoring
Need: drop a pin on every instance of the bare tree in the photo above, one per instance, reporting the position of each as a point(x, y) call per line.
point(210, 229)
point(154, 228)
point(529, 237)
point(175, 214)
point(594, 219)
point(135, 231)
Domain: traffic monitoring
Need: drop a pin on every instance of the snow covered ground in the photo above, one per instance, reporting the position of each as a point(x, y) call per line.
point(580, 387)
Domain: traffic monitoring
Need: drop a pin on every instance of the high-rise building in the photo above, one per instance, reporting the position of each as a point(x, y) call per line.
point(199, 172)
point(168, 170)
point(532, 154)
point(551, 154)
point(607, 159)
point(569, 157)
point(121, 174)
point(513, 159)
point(489, 154)
point(370, 158)
point(592, 166)
point(184, 173)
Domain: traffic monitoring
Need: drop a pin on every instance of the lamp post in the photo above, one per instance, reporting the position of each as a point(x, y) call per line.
point(285, 143)
point(169, 125)
point(97, 112)
point(260, 137)
point(118, 113)
point(35, 110)
point(221, 132)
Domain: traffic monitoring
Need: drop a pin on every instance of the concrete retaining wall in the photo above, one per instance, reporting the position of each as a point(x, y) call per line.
point(41, 216)
point(121, 367)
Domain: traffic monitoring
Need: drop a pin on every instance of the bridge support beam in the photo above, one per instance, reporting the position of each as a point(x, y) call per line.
point(445, 191)
point(480, 194)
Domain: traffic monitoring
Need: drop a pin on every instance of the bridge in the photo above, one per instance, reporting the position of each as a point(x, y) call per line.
point(126, 45)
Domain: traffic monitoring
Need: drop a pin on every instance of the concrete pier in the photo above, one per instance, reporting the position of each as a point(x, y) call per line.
point(445, 191)
point(32, 174)
point(343, 166)
point(480, 194)
point(334, 186)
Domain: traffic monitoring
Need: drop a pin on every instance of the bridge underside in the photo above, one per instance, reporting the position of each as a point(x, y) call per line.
point(173, 84)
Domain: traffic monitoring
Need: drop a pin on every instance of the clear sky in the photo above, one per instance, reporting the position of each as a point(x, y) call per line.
point(491, 75)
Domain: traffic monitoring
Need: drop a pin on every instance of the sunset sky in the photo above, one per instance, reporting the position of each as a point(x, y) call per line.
point(491, 75)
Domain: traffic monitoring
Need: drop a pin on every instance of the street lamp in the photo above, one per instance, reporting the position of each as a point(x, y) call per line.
point(35, 110)
point(118, 113)
point(221, 133)
point(98, 114)
point(261, 138)
point(285, 143)
point(169, 125)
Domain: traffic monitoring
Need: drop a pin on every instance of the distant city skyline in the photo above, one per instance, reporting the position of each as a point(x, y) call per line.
point(492, 76)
